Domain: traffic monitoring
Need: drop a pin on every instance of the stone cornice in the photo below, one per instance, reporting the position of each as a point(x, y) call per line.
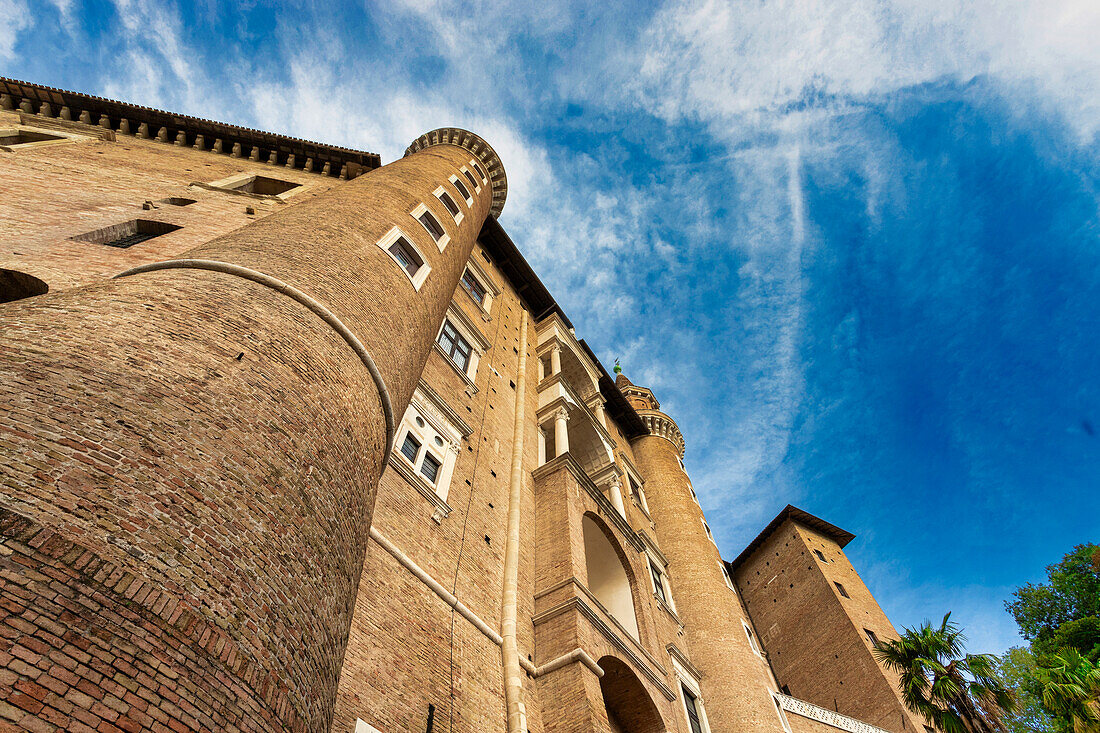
point(605, 505)
point(182, 130)
point(481, 150)
point(663, 426)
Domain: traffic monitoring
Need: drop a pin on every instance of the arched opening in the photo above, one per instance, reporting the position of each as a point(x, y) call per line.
point(607, 578)
point(15, 285)
point(629, 707)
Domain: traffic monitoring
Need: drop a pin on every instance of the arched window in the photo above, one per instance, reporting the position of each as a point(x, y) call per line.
point(15, 285)
point(607, 578)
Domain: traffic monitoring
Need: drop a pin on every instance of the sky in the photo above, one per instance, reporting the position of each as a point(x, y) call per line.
point(852, 245)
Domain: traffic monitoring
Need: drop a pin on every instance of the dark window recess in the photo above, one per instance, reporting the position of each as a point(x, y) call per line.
point(820, 556)
point(462, 189)
point(15, 285)
point(410, 447)
point(176, 201)
point(432, 225)
point(786, 690)
point(658, 586)
point(470, 178)
point(693, 711)
point(263, 186)
point(22, 137)
point(449, 203)
point(871, 637)
point(473, 287)
point(840, 588)
point(480, 172)
point(430, 467)
point(406, 256)
point(127, 234)
point(454, 346)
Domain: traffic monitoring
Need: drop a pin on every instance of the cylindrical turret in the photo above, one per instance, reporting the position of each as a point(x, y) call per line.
point(736, 681)
point(189, 454)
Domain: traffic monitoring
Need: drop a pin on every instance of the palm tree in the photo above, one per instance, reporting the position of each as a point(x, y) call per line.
point(955, 692)
point(1071, 690)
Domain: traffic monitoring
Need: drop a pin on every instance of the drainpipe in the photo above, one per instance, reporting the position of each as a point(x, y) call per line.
point(513, 674)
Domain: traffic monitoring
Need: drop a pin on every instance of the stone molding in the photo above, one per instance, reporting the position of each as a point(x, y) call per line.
point(661, 425)
point(481, 150)
point(604, 504)
point(824, 715)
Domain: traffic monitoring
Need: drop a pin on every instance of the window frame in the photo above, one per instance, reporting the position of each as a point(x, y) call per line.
point(439, 420)
point(439, 193)
point(872, 637)
point(756, 649)
point(470, 333)
point(487, 285)
point(443, 240)
point(726, 575)
point(470, 177)
point(460, 187)
point(389, 239)
point(479, 170)
point(843, 591)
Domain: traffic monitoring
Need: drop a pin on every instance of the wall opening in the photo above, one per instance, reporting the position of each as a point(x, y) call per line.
point(15, 285)
point(127, 234)
point(263, 186)
point(630, 709)
point(607, 578)
point(10, 137)
point(176, 201)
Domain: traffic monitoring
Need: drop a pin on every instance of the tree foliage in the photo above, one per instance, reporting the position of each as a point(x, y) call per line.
point(1071, 597)
point(1070, 686)
point(1016, 668)
point(956, 692)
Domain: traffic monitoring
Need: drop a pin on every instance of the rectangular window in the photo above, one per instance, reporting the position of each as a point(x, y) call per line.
point(480, 172)
point(432, 225)
point(840, 588)
point(406, 256)
point(752, 637)
point(410, 447)
point(871, 637)
point(462, 190)
point(692, 705)
point(473, 287)
point(448, 203)
point(127, 234)
point(454, 346)
point(430, 467)
point(820, 556)
point(658, 584)
point(470, 179)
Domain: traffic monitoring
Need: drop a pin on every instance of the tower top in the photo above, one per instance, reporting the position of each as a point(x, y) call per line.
point(476, 145)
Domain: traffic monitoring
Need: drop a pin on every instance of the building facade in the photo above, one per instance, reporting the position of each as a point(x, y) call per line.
point(294, 440)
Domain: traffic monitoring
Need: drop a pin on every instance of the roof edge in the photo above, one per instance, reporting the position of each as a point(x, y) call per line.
point(840, 536)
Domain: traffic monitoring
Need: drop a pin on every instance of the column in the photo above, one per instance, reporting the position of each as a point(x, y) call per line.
point(616, 492)
point(561, 431)
point(555, 359)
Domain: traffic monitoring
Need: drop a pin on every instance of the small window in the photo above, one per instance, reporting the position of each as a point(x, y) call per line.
point(432, 225)
point(692, 704)
point(726, 575)
point(480, 172)
point(127, 234)
point(871, 637)
point(401, 249)
point(658, 583)
point(454, 346)
point(256, 185)
point(10, 137)
point(410, 448)
point(820, 556)
point(406, 256)
point(706, 527)
point(462, 190)
point(752, 638)
point(470, 178)
point(471, 285)
point(840, 589)
point(176, 201)
point(786, 690)
point(449, 204)
point(430, 468)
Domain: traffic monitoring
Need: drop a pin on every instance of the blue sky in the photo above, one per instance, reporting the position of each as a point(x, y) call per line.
point(854, 246)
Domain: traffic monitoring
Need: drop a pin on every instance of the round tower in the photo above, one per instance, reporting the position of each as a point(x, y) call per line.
point(189, 453)
point(736, 680)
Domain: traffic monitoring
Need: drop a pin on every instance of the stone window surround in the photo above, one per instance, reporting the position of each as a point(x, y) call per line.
point(417, 279)
point(438, 193)
point(422, 209)
point(466, 171)
point(478, 169)
point(632, 474)
point(726, 575)
point(492, 292)
point(688, 681)
point(230, 184)
point(455, 182)
point(751, 635)
point(445, 422)
point(479, 345)
point(60, 137)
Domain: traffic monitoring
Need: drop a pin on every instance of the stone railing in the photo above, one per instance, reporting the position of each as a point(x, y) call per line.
point(824, 715)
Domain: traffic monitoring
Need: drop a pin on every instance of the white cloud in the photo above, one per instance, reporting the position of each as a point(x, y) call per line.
point(14, 19)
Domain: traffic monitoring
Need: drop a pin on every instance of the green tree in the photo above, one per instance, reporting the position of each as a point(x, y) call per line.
point(1066, 610)
point(956, 692)
point(1070, 686)
point(1016, 668)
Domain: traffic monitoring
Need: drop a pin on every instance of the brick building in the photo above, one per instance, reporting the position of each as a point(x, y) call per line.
point(294, 440)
